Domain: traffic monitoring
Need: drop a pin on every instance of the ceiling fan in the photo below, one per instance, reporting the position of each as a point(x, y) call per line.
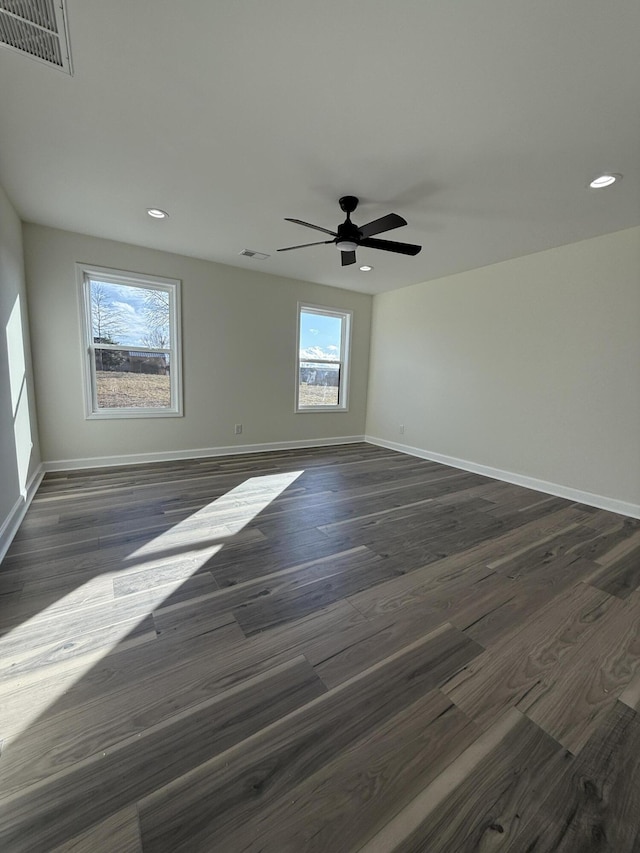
point(349, 236)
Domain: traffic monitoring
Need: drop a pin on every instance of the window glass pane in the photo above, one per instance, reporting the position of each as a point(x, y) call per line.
point(130, 379)
point(131, 316)
point(319, 384)
point(320, 336)
point(132, 333)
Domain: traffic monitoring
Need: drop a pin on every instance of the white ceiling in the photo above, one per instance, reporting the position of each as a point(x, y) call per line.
point(480, 123)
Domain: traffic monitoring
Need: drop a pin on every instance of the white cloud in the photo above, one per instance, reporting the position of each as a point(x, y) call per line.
point(134, 324)
point(129, 309)
point(310, 353)
point(313, 331)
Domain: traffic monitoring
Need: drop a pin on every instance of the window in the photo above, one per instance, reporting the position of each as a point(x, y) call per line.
point(322, 371)
point(131, 326)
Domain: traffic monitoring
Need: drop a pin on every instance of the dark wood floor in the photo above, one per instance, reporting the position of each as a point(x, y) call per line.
point(336, 649)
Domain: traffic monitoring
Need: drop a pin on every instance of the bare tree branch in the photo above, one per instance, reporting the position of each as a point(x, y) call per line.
point(107, 320)
point(156, 313)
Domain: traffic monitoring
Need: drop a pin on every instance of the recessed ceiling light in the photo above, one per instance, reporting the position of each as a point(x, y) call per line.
point(157, 213)
point(605, 180)
point(366, 268)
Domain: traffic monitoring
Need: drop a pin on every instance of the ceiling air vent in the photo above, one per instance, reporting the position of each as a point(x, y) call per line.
point(249, 253)
point(37, 28)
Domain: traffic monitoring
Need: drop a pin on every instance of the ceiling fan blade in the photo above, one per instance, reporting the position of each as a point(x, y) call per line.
point(309, 225)
point(385, 223)
point(391, 246)
point(348, 258)
point(304, 246)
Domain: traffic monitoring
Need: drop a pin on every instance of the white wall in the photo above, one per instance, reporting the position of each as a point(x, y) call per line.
point(239, 337)
point(531, 366)
point(19, 451)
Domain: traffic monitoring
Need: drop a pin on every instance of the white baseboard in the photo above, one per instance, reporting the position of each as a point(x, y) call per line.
point(198, 453)
point(13, 521)
point(571, 494)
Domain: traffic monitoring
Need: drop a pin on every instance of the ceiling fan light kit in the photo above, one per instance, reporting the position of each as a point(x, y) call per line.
point(349, 236)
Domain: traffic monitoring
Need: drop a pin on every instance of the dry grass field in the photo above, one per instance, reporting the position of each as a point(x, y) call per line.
point(146, 390)
point(142, 390)
point(318, 395)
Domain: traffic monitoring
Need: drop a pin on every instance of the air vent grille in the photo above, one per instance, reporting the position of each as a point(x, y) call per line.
point(250, 253)
point(36, 28)
point(40, 12)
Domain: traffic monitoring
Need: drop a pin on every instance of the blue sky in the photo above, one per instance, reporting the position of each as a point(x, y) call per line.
point(319, 336)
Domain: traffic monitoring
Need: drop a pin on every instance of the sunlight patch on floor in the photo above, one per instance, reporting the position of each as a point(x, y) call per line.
point(42, 657)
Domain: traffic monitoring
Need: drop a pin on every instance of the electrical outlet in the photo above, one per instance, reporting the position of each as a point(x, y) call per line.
point(401, 429)
point(238, 429)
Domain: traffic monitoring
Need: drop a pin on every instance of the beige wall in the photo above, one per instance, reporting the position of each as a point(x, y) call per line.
point(19, 451)
point(239, 336)
point(531, 366)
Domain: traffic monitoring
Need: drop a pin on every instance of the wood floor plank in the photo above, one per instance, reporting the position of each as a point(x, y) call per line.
point(59, 626)
point(523, 665)
point(496, 605)
point(430, 582)
point(397, 610)
point(177, 817)
point(620, 576)
point(353, 797)
point(43, 813)
point(610, 535)
point(281, 596)
point(382, 483)
point(588, 680)
point(410, 821)
point(11, 582)
point(109, 701)
point(231, 566)
point(256, 615)
point(130, 632)
point(120, 832)
point(594, 805)
point(485, 811)
point(391, 595)
point(59, 738)
point(131, 583)
point(609, 522)
point(537, 510)
point(559, 546)
point(124, 681)
point(450, 527)
point(339, 657)
point(621, 540)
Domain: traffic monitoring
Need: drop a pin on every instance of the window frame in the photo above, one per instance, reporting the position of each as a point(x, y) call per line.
point(86, 273)
point(346, 316)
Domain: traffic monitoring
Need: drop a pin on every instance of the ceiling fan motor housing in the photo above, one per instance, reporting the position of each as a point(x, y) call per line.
point(348, 203)
point(348, 231)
